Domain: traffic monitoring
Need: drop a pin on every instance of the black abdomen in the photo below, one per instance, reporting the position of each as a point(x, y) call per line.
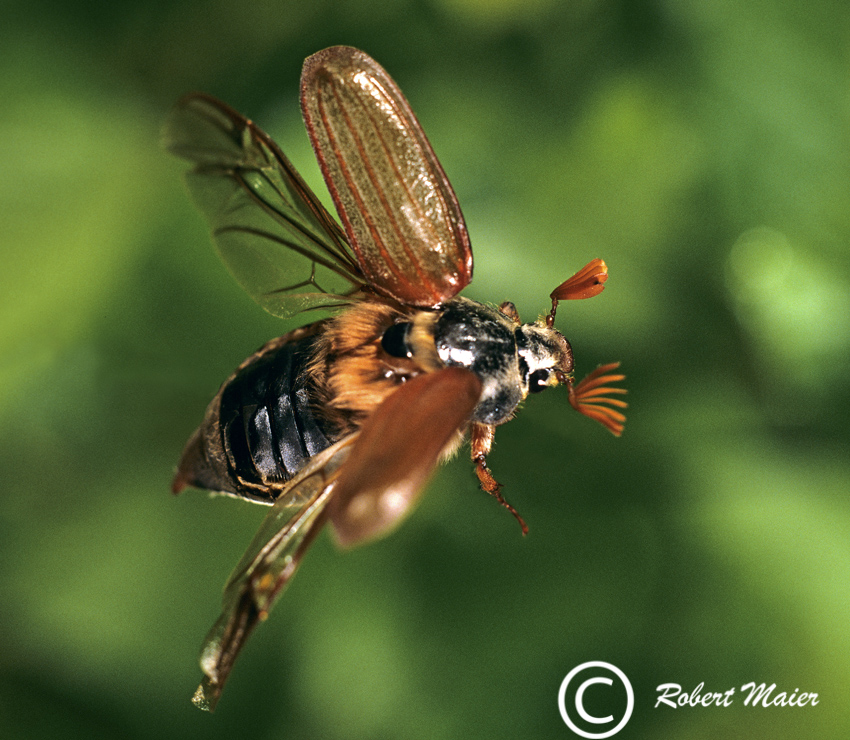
point(268, 428)
point(260, 429)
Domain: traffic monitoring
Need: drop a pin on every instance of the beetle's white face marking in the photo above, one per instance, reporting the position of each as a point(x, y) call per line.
point(541, 351)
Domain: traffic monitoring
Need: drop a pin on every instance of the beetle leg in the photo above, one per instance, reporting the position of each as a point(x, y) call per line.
point(509, 310)
point(482, 441)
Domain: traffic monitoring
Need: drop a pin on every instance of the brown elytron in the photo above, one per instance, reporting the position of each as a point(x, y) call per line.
point(343, 420)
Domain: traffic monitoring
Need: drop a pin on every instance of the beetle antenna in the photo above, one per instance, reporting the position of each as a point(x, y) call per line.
point(590, 393)
point(586, 283)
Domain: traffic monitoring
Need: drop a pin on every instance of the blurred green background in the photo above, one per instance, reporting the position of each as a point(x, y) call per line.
point(700, 148)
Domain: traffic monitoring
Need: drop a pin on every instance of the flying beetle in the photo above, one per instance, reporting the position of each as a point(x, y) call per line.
point(342, 420)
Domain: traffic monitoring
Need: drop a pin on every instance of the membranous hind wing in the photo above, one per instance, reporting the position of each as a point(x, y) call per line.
point(399, 211)
point(280, 243)
point(365, 484)
point(268, 565)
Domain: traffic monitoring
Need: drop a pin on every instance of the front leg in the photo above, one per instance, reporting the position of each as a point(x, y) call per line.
point(482, 441)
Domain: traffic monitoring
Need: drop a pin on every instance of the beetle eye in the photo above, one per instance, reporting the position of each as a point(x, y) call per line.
point(537, 381)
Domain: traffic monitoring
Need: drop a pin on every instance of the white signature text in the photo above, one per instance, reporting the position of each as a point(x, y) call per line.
point(754, 694)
